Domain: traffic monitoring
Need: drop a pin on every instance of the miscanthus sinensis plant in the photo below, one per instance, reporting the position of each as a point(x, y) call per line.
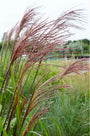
point(35, 38)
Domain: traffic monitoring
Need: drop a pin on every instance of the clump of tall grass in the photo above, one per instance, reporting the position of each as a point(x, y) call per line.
point(35, 39)
point(69, 114)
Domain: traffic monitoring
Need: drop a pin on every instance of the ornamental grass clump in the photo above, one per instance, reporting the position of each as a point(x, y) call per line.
point(33, 38)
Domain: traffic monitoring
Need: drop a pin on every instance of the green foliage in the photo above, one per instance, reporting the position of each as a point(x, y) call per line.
point(64, 113)
point(75, 47)
point(59, 131)
point(79, 46)
point(68, 119)
point(45, 131)
point(85, 41)
point(1, 45)
point(2, 130)
point(86, 48)
point(73, 118)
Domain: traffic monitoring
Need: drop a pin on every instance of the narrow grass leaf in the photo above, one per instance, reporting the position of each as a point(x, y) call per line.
point(56, 125)
point(2, 130)
point(35, 133)
point(12, 78)
point(43, 128)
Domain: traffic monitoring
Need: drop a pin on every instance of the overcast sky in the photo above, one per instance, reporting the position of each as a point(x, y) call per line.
point(11, 12)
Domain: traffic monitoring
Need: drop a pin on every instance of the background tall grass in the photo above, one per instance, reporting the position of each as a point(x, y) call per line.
point(70, 109)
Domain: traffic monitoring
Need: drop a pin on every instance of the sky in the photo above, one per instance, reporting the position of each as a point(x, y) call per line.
point(11, 11)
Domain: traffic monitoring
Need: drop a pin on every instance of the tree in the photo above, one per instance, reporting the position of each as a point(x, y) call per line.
point(75, 47)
